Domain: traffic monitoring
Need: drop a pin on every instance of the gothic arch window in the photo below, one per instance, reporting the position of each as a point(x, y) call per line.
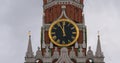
point(90, 60)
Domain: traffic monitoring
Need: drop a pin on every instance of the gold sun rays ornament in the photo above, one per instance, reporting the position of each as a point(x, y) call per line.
point(63, 32)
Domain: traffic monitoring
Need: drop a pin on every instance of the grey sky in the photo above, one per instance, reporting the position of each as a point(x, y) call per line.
point(17, 17)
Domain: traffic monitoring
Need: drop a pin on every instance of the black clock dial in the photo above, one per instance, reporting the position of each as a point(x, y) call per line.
point(63, 32)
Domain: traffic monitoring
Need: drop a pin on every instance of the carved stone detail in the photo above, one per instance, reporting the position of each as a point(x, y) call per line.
point(55, 54)
point(72, 53)
point(64, 58)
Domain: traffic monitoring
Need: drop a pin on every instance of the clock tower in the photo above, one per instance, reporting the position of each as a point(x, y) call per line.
point(63, 35)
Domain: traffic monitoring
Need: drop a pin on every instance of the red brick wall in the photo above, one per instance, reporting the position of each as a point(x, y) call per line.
point(44, 2)
point(46, 37)
point(54, 12)
point(80, 39)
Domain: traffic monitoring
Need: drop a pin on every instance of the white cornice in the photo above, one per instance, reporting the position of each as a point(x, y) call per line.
point(77, 4)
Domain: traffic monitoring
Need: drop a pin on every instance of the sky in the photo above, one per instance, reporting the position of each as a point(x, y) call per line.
point(17, 17)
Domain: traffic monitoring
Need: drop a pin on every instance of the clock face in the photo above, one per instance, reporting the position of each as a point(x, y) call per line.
point(63, 32)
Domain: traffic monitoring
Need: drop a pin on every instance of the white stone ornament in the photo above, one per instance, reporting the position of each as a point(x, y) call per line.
point(99, 52)
point(76, 45)
point(55, 53)
point(64, 58)
point(63, 13)
point(51, 45)
point(43, 44)
point(80, 53)
point(72, 54)
point(90, 53)
point(84, 44)
point(47, 53)
point(38, 54)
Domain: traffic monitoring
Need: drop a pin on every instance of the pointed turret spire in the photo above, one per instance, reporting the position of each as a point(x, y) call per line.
point(29, 49)
point(98, 49)
point(29, 54)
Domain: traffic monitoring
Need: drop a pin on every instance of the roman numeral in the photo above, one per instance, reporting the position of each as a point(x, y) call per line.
point(73, 32)
point(63, 42)
point(53, 33)
point(54, 28)
point(59, 24)
point(68, 24)
point(72, 28)
point(54, 37)
point(58, 40)
point(69, 41)
point(73, 37)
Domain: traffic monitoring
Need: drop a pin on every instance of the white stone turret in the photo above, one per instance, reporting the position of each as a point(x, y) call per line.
point(29, 54)
point(51, 45)
point(80, 52)
point(84, 44)
point(99, 53)
point(72, 53)
point(90, 53)
point(47, 53)
point(43, 44)
point(55, 54)
point(38, 54)
point(76, 45)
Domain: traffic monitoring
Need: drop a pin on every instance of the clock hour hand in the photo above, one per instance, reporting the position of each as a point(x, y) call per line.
point(62, 28)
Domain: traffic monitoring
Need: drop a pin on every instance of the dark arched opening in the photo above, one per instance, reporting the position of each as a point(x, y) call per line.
point(54, 60)
point(90, 60)
point(39, 61)
point(73, 60)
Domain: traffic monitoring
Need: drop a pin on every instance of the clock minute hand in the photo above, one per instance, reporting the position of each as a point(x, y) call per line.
point(62, 28)
point(64, 34)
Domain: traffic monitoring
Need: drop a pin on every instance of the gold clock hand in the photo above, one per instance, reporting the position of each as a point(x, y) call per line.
point(64, 34)
point(61, 29)
point(59, 25)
